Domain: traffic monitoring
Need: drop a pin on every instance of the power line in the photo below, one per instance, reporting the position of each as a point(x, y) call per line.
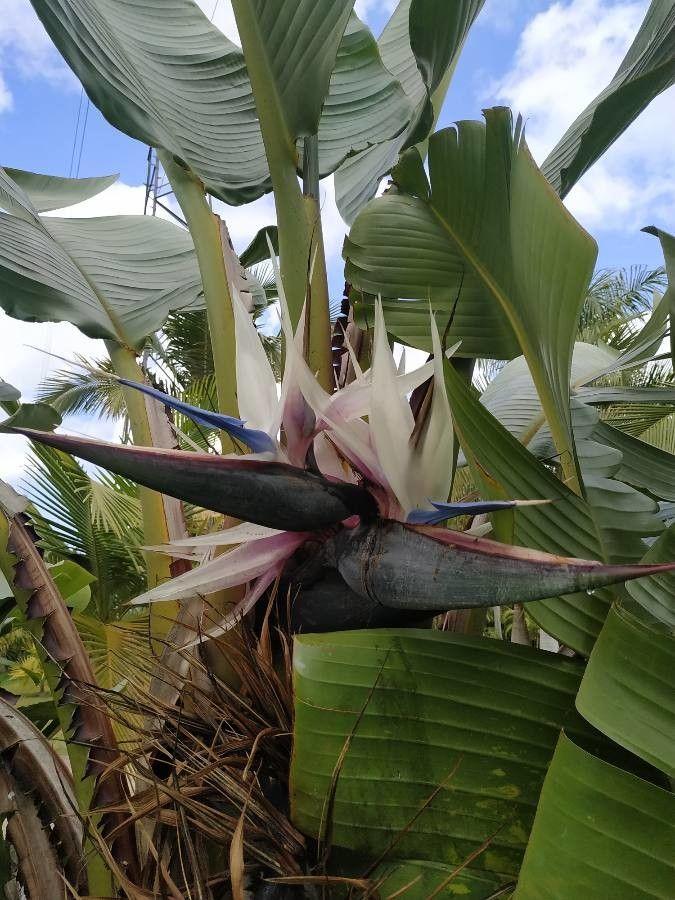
point(84, 132)
point(214, 9)
point(77, 128)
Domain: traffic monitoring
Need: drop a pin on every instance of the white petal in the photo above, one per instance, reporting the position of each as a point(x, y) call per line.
point(239, 534)
point(391, 419)
point(253, 593)
point(432, 461)
point(256, 384)
point(246, 562)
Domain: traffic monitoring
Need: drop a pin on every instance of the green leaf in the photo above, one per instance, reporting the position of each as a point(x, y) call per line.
point(298, 44)
point(14, 199)
point(655, 596)
point(504, 468)
point(69, 518)
point(647, 341)
point(668, 247)
point(600, 395)
point(511, 397)
point(599, 832)
point(647, 69)
point(126, 54)
point(8, 393)
point(421, 36)
point(623, 516)
point(113, 277)
point(437, 35)
point(495, 240)
point(359, 176)
point(73, 583)
point(39, 416)
point(419, 880)
point(365, 104)
point(117, 649)
point(445, 738)
point(409, 176)
point(258, 250)
point(627, 692)
point(396, 49)
point(642, 465)
point(48, 192)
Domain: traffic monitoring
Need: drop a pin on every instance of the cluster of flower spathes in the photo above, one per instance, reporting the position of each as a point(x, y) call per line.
point(351, 474)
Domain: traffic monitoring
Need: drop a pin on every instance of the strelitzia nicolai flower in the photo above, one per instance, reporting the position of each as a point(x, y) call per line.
point(379, 486)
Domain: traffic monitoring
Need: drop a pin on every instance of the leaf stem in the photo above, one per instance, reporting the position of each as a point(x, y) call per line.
point(205, 229)
point(155, 529)
point(301, 250)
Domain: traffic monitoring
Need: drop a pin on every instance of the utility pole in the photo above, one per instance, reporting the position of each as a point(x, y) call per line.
point(157, 189)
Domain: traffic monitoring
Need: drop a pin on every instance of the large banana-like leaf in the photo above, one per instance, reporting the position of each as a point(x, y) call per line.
point(15, 200)
point(627, 691)
point(127, 56)
point(647, 69)
point(493, 239)
point(600, 395)
point(297, 45)
point(424, 745)
point(512, 397)
point(40, 416)
point(668, 247)
point(266, 493)
point(599, 832)
point(421, 879)
point(643, 347)
point(623, 516)
point(396, 50)
point(642, 465)
point(365, 104)
point(48, 192)
point(504, 468)
point(114, 277)
point(420, 45)
point(656, 596)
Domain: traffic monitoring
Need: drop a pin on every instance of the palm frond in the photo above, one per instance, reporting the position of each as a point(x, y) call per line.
point(83, 391)
point(661, 434)
point(114, 505)
point(616, 302)
point(187, 347)
point(94, 522)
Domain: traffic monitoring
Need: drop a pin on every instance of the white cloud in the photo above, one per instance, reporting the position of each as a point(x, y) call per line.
point(565, 56)
point(25, 49)
point(503, 15)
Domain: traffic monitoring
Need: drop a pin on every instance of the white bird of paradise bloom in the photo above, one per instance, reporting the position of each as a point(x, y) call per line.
point(364, 432)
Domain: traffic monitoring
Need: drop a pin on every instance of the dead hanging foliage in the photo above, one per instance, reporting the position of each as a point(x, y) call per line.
point(68, 669)
point(212, 768)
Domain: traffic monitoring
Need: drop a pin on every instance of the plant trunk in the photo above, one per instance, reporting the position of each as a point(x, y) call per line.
point(154, 510)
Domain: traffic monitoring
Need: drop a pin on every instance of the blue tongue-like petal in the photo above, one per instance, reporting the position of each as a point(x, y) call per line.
point(258, 441)
point(443, 511)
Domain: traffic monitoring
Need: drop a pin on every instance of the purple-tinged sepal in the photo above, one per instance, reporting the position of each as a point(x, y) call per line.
point(268, 493)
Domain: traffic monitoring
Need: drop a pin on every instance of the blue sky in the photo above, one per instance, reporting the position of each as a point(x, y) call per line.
point(546, 60)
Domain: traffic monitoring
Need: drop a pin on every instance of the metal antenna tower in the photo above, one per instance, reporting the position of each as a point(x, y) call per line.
point(157, 187)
